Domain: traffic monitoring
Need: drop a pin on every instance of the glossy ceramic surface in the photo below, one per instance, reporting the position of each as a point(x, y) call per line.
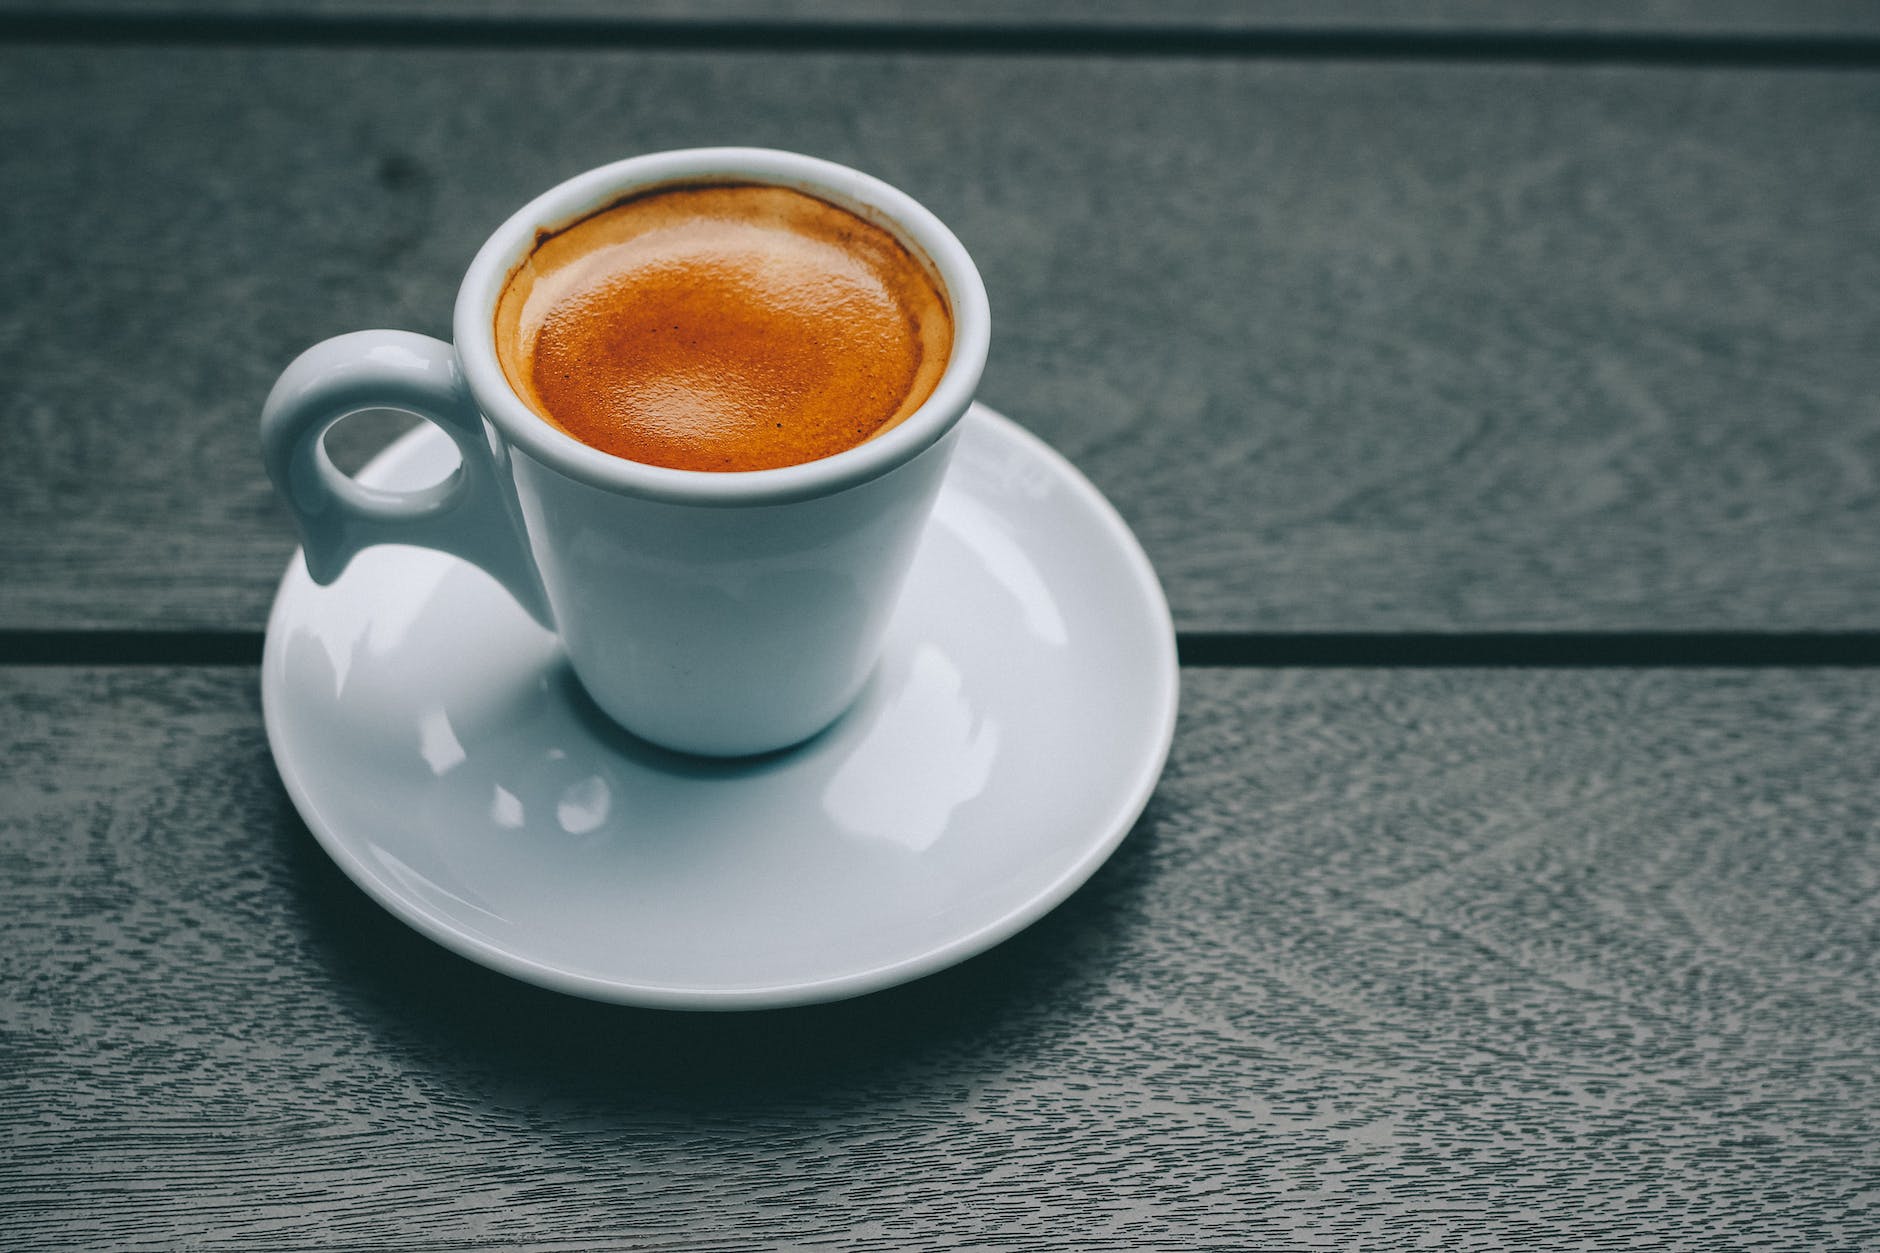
point(440, 750)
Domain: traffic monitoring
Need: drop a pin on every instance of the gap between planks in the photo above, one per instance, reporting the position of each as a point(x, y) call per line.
point(1560, 47)
point(1214, 649)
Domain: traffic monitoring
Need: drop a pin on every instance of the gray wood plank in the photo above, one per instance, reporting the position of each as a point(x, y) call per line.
point(1707, 17)
point(1421, 959)
point(1353, 347)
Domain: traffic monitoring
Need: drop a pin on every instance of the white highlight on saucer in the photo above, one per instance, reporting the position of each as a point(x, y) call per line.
point(584, 805)
point(437, 743)
point(506, 809)
point(927, 753)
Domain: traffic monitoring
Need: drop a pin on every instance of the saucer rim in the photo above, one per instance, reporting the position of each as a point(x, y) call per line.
point(771, 995)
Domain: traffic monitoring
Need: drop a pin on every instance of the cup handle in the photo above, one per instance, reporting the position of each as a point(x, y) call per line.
point(472, 514)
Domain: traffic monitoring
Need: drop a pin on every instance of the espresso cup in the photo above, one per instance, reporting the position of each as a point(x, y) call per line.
point(720, 613)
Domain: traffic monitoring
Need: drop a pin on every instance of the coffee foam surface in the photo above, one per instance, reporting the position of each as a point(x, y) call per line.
point(730, 327)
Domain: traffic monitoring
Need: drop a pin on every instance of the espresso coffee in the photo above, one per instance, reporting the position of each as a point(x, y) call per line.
point(723, 327)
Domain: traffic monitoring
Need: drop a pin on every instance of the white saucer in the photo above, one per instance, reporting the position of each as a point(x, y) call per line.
point(440, 750)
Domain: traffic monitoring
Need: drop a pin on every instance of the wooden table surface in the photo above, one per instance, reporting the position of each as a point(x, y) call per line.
point(1496, 388)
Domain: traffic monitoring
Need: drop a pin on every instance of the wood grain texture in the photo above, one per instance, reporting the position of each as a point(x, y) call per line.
point(1352, 347)
point(1435, 959)
point(1756, 17)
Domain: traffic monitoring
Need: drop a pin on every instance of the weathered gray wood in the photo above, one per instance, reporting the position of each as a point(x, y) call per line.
point(1450, 959)
point(1754, 17)
point(1352, 346)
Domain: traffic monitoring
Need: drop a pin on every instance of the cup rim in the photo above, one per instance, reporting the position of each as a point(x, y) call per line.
point(473, 327)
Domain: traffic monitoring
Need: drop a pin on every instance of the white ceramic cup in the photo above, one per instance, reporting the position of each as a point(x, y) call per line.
point(717, 613)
